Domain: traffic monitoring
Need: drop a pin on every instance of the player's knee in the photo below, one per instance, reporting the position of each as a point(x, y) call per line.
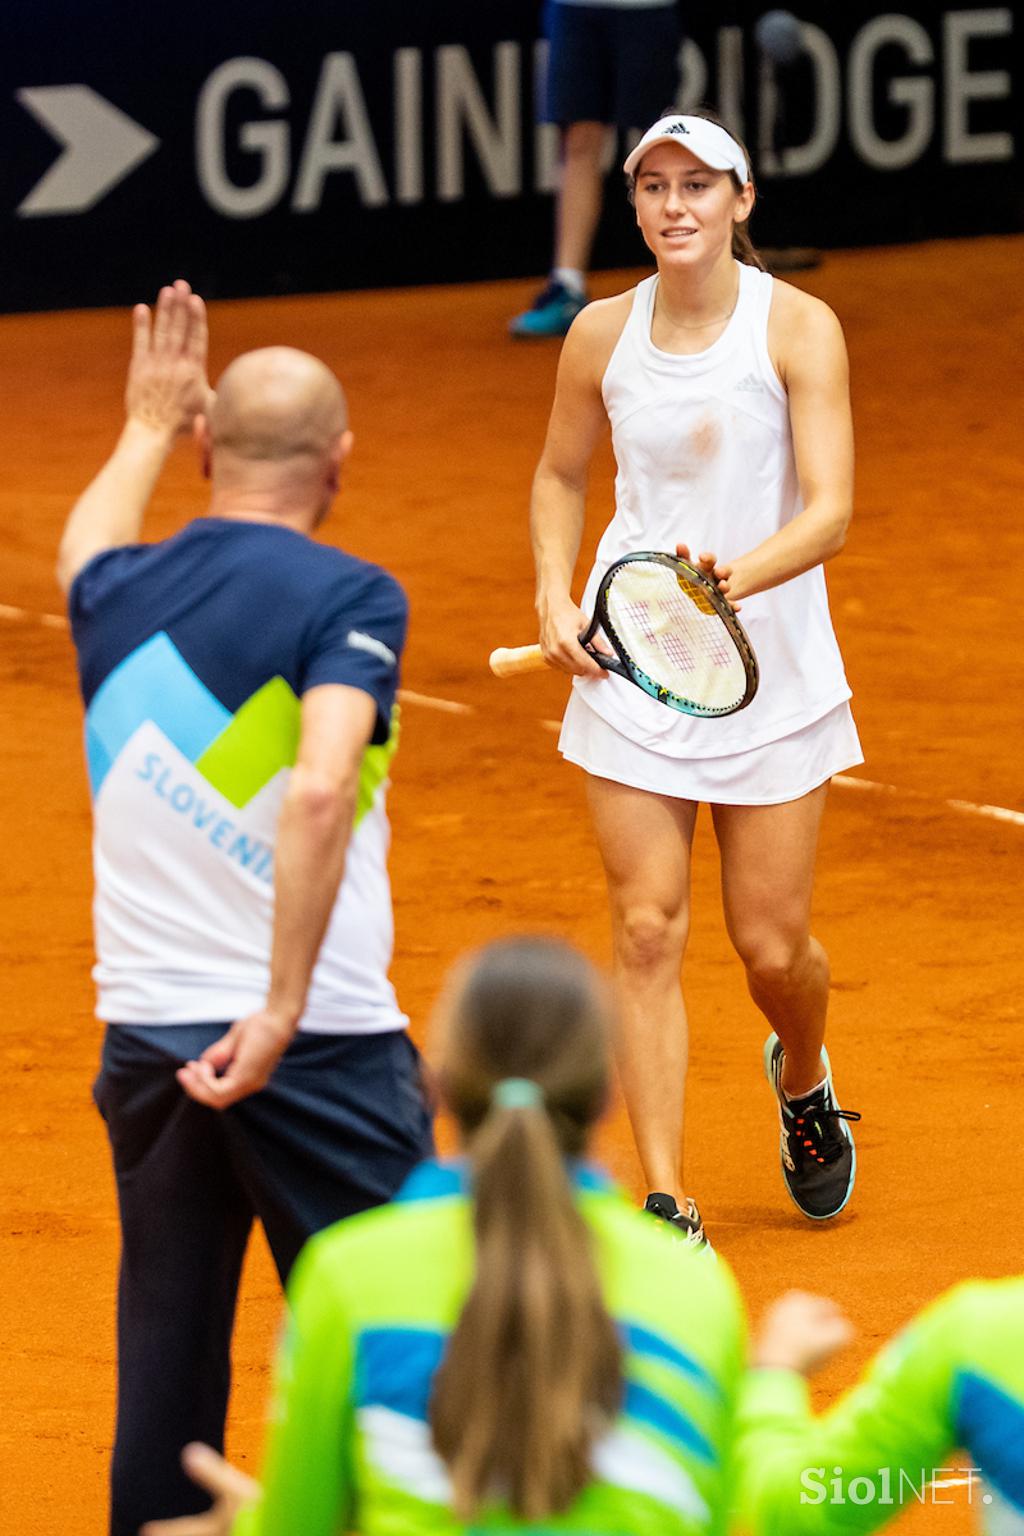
point(772, 955)
point(649, 937)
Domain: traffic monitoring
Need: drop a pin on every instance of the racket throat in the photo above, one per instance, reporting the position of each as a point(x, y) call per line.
point(603, 659)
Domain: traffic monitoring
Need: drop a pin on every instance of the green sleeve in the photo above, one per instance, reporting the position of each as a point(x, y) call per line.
point(851, 1469)
point(307, 1476)
point(731, 1377)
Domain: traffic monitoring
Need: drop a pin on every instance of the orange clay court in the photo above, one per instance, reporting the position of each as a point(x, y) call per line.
point(920, 895)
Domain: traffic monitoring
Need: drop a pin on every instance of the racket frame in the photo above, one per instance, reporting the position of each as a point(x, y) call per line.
point(623, 665)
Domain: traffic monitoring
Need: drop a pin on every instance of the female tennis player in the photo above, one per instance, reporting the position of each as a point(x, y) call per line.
point(509, 1345)
point(953, 1379)
point(727, 395)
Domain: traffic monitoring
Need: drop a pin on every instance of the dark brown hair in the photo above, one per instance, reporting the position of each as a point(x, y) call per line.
point(743, 248)
point(532, 1372)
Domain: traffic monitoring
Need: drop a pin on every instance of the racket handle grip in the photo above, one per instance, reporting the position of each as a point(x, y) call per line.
point(508, 661)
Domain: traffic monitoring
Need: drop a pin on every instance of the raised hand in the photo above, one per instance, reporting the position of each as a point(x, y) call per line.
point(800, 1332)
point(167, 385)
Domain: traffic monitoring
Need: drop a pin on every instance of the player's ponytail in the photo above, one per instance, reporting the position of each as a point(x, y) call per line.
point(532, 1373)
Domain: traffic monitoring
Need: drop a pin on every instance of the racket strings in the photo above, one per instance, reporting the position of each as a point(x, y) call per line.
point(676, 642)
point(675, 634)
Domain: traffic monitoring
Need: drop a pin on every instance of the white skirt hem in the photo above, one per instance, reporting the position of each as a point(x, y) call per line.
point(771, 774)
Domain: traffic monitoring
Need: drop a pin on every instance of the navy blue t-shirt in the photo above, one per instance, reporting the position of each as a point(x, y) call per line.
point(242, 603)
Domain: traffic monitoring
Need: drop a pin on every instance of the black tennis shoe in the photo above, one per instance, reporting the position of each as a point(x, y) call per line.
point(686, 1225)
point(819, 1161)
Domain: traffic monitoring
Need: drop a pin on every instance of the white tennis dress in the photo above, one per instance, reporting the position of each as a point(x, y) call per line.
point(705, 457)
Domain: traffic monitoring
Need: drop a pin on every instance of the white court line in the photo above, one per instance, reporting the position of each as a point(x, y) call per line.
point(450, 707)
point(48, 620)
point(446, 706)
point(965, 807)
point(970, 1483)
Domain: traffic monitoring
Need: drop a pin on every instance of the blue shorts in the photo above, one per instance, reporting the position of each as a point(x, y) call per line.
point(336, 1130)
point(341, 1124)
point(606, 65)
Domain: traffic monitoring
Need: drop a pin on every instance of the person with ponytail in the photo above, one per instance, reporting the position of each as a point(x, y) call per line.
point(727, 395)
point(510, 1345)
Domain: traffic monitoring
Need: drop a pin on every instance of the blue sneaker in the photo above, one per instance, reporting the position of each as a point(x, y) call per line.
point(819, 1163)
point(551, 314)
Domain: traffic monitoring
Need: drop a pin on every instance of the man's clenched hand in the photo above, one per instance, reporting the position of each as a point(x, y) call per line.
point(240, 1062)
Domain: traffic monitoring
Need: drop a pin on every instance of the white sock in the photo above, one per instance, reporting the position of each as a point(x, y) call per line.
point(816, 1089)
point(571, 278)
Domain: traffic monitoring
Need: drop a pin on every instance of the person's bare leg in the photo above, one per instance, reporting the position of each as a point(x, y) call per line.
point(580, 195)
point(768, 854)
point(644, 840)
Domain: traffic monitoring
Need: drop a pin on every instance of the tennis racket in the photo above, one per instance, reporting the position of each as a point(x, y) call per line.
point(673, 634)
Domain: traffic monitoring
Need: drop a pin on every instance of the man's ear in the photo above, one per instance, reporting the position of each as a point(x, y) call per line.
point(339, 453)
point(204, 447)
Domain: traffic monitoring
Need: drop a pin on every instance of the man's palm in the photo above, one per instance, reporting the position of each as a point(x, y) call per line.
point(167, 383)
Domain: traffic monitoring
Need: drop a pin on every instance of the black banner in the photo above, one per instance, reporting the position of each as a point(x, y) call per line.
point(315, 146)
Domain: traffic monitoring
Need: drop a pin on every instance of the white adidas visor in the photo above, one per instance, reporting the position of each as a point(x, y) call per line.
point(712, 145)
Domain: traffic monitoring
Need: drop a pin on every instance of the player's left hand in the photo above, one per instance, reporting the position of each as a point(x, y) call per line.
point(800, 1332)
point(231, 1490)
point(167, 385)
point(720, 571)
point(240, 1062)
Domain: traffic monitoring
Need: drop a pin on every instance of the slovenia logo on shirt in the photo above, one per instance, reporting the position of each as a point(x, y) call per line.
point(237, 754)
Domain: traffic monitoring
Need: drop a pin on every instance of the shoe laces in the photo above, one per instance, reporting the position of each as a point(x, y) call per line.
point(686, 1224)
point(811, 1129)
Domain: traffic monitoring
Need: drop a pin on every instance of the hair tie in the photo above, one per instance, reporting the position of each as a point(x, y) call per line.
point(517, 1093)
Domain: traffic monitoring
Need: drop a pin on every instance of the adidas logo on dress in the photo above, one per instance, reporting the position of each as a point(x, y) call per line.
point(751, 384)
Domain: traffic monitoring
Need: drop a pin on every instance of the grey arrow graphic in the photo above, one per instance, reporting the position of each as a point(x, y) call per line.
point(101, 146)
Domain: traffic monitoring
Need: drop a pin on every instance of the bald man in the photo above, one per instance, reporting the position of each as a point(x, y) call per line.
point(239, 682)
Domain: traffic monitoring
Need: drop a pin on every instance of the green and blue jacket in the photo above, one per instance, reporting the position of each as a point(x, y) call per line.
point(373, 1301)
point(952, 1380)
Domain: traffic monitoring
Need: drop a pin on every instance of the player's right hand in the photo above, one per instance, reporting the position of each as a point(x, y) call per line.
point(561, 624)
point(240, 1062)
